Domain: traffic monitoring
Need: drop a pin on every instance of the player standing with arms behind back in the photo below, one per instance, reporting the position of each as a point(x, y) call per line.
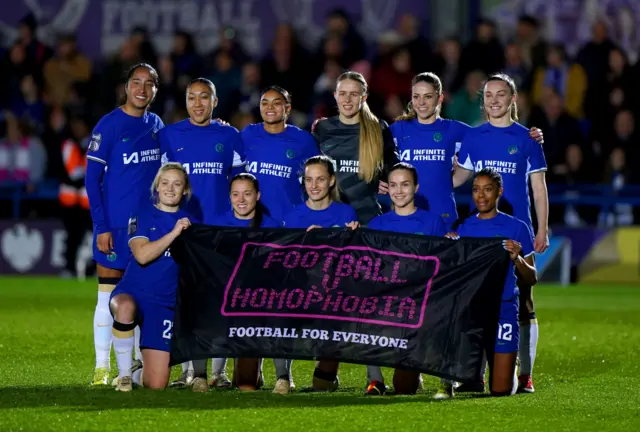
point(505, 145)
point(123, 158)
point(209, 151)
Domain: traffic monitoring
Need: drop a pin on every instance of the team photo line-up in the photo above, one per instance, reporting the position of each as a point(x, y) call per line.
point(273, 174)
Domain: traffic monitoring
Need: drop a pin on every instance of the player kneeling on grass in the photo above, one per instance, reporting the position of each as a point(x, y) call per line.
point(489, 222)
point(146, 296)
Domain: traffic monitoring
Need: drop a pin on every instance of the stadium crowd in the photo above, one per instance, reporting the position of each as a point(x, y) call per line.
point(586, 104)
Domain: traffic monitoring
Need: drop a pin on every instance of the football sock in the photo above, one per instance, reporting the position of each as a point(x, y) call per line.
point(102, 322)
point(528, 344)
point(123, 346)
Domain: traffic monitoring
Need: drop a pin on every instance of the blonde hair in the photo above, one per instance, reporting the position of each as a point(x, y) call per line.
point(371, 156)
point(426, 77)
point(169, 167)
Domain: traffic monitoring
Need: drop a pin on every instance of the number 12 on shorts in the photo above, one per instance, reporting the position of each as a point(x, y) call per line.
point(168, 325)
point(505, 331)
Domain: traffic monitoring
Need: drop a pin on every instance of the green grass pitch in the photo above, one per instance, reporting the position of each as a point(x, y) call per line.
point(587, 376)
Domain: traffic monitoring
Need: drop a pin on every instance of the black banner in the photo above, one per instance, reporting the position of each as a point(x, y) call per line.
point(421, 303)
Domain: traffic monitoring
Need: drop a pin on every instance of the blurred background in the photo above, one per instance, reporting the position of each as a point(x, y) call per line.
point(575, 62)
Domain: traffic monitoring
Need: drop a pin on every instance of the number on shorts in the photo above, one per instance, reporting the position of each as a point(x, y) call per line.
point(504, 331)
point(166, 334)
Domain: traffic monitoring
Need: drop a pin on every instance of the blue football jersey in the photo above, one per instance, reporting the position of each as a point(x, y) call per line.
point(336, 215)
point(503, 226)
point(277, 161)
point(208, 154)
point(510, 152)
point(156, 281)
point(124, 154)
point(420, 222)
point(431, 149)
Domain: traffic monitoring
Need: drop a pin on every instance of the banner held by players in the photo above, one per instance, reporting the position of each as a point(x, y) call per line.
point(409, 301)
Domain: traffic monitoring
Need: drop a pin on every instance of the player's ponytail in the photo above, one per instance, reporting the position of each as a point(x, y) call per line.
point(258, 216)
point(371, 155)
point(429, 78)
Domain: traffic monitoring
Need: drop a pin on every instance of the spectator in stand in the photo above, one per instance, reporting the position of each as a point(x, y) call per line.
point(228, 79)
point(23, 158)
point(228, 43)
point(418, 46)
point(594, 58)
point(14, 68)
point(142, 42)
point(560, 129)
point(353, 44)
point(617, 175)
point(447, 67)
point(324, 101)
point(566, 79)
point(391, 77)
point(465, 105)
point(250, 91)
point(515, 67)
point(574, 172)
point(484, 52)
point(186, 61)
point(532, 47)
point(62, 71)
point(624, 136)
point(29, 106)
point(37, 53)
point(112, 89)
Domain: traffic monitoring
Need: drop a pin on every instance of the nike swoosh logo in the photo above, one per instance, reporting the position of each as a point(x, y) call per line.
point(180, 149)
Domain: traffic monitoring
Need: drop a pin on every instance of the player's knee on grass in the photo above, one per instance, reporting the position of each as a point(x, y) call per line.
point(502, 381)
point(123, 307)
point(156, 371)
point(246, 373)
point(406, 381)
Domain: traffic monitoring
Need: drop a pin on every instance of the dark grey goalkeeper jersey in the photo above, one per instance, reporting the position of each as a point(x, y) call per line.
point(342, 143)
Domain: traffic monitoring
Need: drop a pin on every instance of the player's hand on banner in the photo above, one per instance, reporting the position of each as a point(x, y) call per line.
point(383, 188)
point(536, 134)
point(313, 227)
point(452, 235)
point(105, 242)
point(353, 225)
point(541, 242)
point(313, 126)
point(513, 247)
point(181, 225)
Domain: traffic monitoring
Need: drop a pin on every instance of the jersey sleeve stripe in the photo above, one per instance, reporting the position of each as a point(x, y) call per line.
point(93, 158)
point(133, 238)
point(536, 170)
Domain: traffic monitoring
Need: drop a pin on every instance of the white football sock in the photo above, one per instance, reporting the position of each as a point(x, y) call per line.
point(187, 366)
point(123, 348)
point(102, 322)
point(136, 335)
point(528, 346)
point(374, 373)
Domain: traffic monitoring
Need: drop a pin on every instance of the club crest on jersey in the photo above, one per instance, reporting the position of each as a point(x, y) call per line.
point(290, 154)
point(133, 225)
point(437, 137)
point(96, 139)
point(219, 147)
point(112, 257)
point(512, 150)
